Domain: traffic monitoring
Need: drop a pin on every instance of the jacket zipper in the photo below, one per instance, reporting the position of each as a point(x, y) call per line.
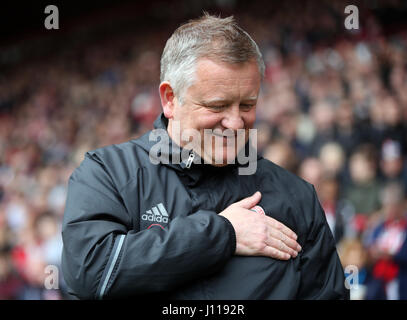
point(190, 159)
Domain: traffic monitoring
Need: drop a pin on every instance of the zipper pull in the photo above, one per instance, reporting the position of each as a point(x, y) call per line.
point(190, 159)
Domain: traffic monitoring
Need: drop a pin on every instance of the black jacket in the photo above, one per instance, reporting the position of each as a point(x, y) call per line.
point(134, 228)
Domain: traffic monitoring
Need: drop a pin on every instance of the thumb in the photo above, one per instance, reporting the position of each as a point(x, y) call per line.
point(250, 202)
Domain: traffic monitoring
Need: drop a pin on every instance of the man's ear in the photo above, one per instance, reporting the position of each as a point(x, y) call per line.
point(167, 99)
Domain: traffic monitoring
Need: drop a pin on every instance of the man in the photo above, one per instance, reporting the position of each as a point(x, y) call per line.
point(186, 221)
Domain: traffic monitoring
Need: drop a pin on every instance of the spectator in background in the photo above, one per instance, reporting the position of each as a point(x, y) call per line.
point(364, 188)
point(264, 136)
point(323, 116)
point(10, 282)
point(329, 198)
point(387, 122)
point(339, 213)
point(387, 248)
point(392, 163)
point(395, 128)
point(311, 170)
point(353, 257)
point(345, 132)
point(281, 153)
point(332, 157)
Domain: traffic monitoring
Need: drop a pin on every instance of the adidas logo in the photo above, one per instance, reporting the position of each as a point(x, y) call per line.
point(156, 214)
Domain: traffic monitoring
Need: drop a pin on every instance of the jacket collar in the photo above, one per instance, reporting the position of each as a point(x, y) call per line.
point(174, 156)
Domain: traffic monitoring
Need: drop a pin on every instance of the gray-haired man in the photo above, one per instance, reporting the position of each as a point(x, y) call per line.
point(194, 226)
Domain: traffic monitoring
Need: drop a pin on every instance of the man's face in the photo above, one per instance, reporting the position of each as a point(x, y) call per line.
point(223, 99)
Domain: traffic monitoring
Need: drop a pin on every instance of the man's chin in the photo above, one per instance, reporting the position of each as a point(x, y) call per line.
point(221, 162)
point(222, 158)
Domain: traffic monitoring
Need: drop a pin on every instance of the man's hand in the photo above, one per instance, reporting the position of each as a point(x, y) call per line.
point(260, 235)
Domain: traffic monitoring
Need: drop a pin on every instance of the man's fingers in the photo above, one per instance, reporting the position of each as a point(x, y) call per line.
point(273, 223)
point(279, 232)
point(281, 246)
point(289, 242)
point(277, 254)
point(260, 234)
point(249, 202)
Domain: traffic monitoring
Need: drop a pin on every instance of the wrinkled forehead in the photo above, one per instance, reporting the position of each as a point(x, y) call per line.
point(219, 78)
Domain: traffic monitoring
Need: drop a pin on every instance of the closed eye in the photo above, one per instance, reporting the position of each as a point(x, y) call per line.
point(217, 107)
point(246, 106)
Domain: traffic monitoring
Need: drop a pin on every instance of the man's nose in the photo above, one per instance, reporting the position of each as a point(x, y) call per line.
point(233, 119)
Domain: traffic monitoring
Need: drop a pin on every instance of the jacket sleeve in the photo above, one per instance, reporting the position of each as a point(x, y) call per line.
point(104, 258)
point(322, 275)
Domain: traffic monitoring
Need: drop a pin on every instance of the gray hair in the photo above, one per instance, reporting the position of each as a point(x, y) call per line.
point(215, 38)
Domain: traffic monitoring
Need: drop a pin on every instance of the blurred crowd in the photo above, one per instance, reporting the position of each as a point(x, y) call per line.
point(333, 110)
